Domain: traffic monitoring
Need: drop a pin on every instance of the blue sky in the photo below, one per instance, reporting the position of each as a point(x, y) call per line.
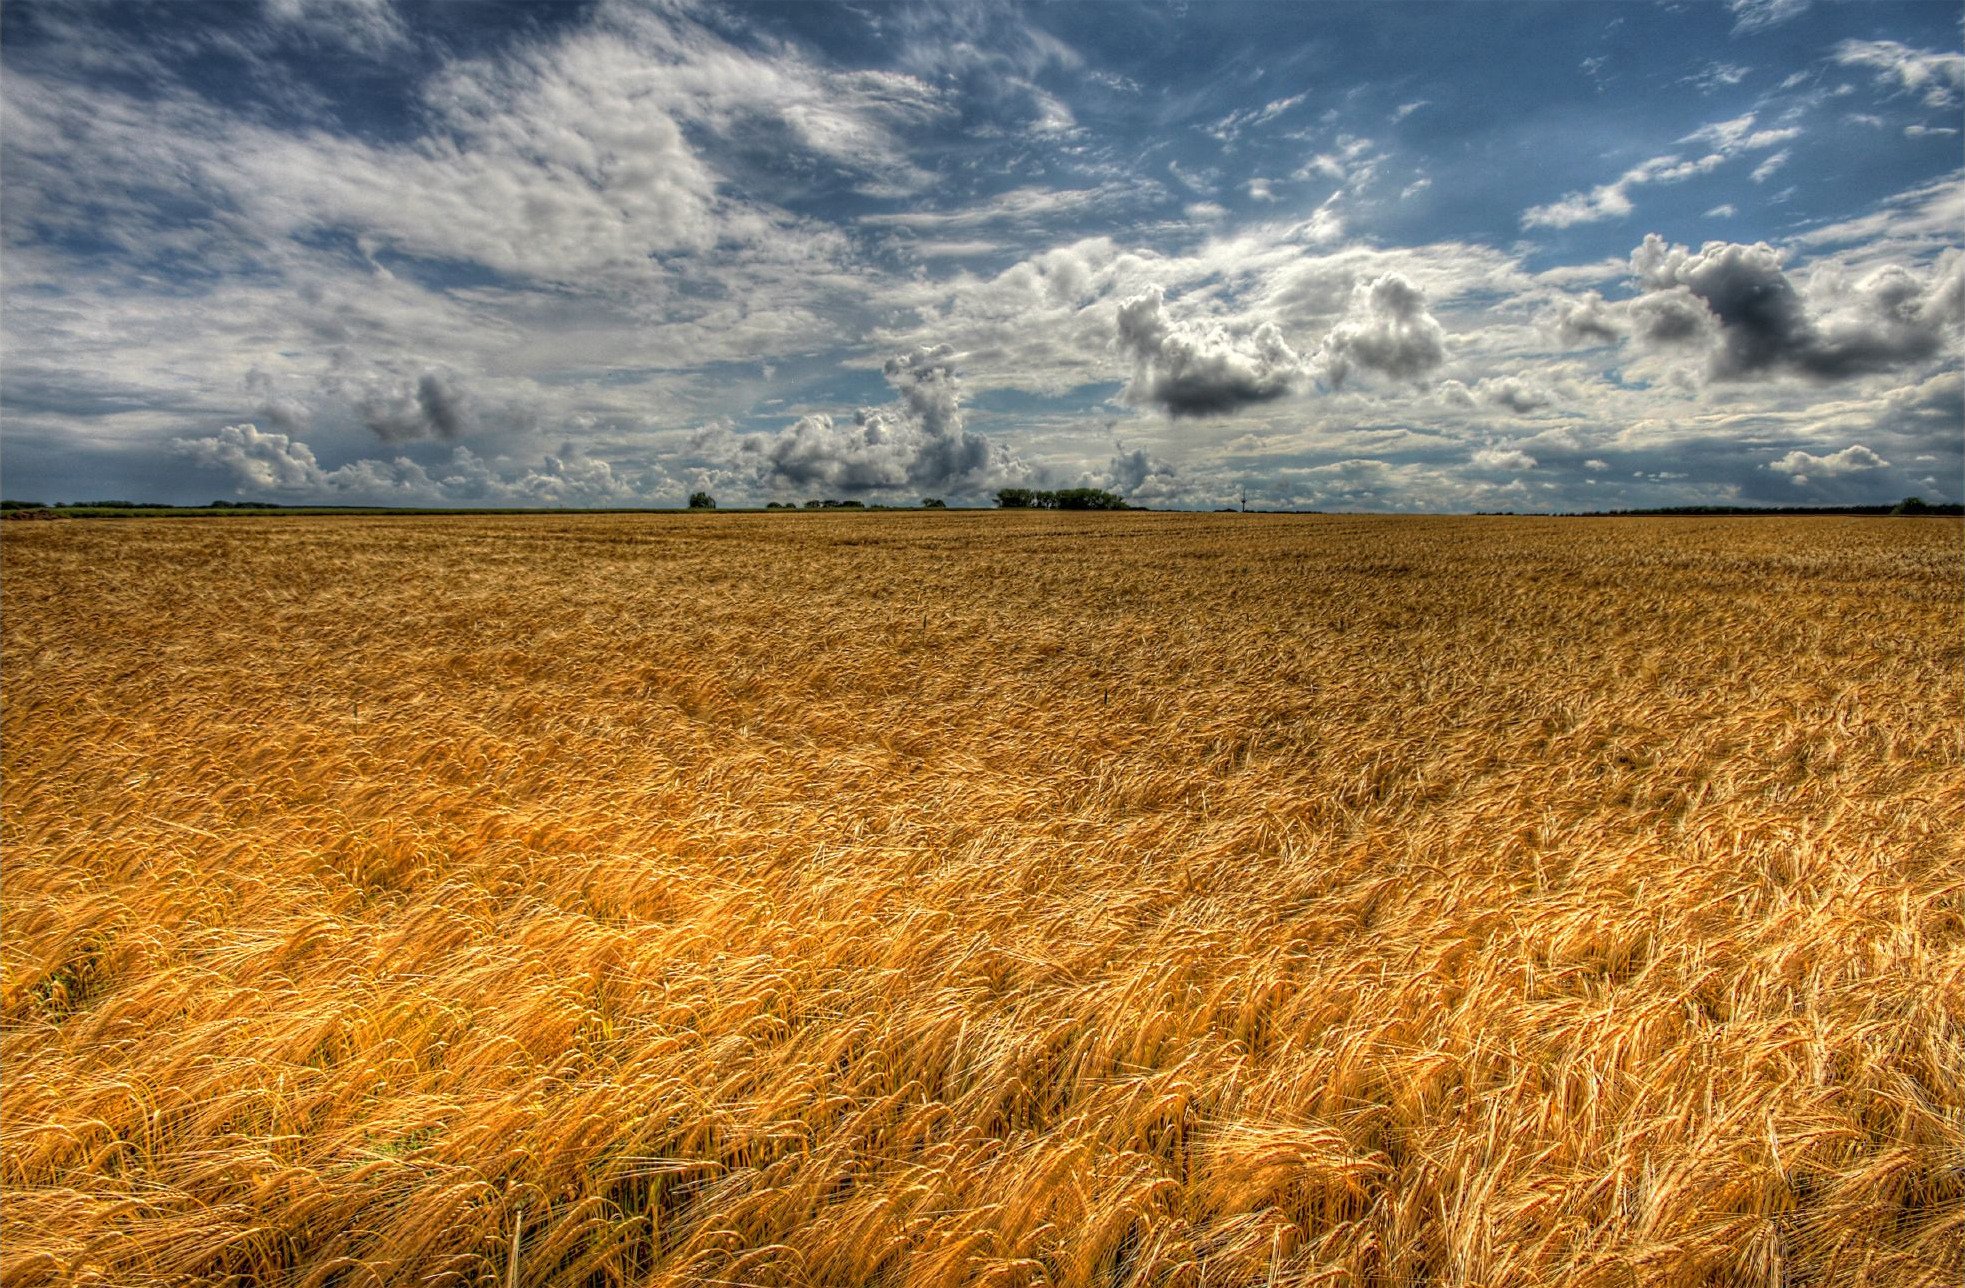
point(1346, 256)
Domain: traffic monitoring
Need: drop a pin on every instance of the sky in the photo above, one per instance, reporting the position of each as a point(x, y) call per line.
point(1403, 256)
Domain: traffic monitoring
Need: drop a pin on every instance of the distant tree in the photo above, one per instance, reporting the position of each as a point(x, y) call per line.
point(701, 501)
point(22, 505)
point(1087, 498)
point(1071, 498)
point(933, 503)
point(1911, 505)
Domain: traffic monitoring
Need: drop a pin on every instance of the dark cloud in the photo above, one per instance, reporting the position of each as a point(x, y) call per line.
point(1887, 320)
point(920, 443)
point(1200, 368)
point(1668, 318)
point(434, 407)
point(1585, 322)
point(1517, 395)
point(1386, 329)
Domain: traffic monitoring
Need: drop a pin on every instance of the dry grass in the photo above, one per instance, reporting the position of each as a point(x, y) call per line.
point(995, 899)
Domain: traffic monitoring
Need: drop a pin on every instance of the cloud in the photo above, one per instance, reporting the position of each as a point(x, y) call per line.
point(1888, 318)
point(1200, 368)
point(1351, 163)
point(921, 443)
point(1585, 321)
point(1726, 139)
point(433, 407)
point(1502, 458)
point(1514, 393)
point(1387, 330)
point(270, 462)
point(1927, 216)
point(1940, 76)
point(1027, 205)
point(364, 26)
point(1613, 200)
point(1230, 127)
point(1765, 169)
point(1757, 15)
point(1140, 477)
point(1854, 459)
point(1716, 75)
point(266, 463)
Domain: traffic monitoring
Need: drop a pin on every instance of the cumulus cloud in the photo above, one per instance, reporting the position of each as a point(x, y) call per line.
point(1585, 321)
point(1502, 458)
point(265, 463)
point(258, 459)
point(1743, 294)
point(1455, 393)
point(1386, 329)
point(1854, 459)
point(1514, 393)
point(1142, 477)
point(1200, 368)
point(921, 442)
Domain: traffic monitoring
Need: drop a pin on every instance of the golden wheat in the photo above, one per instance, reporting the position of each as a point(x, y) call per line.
point(999, 899)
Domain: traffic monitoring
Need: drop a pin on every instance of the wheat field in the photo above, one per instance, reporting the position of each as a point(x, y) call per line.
point(984, 898)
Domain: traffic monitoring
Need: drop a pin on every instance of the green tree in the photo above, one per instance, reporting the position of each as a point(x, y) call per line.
point(701, 501)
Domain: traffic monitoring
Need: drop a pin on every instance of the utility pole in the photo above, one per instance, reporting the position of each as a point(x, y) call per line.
point(1245, 498)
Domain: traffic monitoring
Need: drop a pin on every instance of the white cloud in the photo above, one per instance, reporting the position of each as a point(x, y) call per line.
point(1613, 200)
point(1757, 15)
point(1800, 465)
point(364, 26)
point(1938, 76)
point(1765, 170)
point(266, 464)
point(1503, 458)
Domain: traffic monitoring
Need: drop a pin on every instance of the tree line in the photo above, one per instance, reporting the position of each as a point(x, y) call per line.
point(1070, 498)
